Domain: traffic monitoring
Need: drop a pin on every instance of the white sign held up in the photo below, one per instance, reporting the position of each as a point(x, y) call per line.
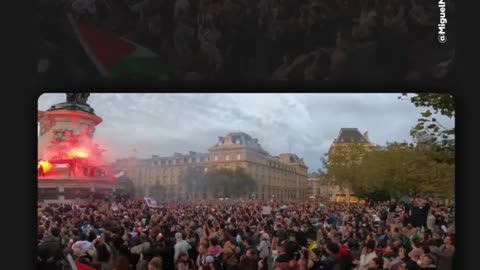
point(151, 202)
point(266, 210)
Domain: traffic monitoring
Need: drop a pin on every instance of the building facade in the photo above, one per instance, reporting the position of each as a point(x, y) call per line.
point(282, 177)
point(161, 177)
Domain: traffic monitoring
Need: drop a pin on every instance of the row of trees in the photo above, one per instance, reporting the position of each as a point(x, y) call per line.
point(424, 168)
point(220, 182)
point(399, 169)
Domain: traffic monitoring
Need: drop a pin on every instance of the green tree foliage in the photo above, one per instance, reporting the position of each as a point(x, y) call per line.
point(428, 128)
point(376, 195)
point(217, 181)
point(399, 169)
point(231, 183)
point(192, 180)
point(342, 165)
point(129, 187)
point(158, 191)
point(243, 182)
point(220, 182)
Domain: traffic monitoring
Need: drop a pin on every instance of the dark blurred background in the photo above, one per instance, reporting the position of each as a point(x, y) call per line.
point(346, 40)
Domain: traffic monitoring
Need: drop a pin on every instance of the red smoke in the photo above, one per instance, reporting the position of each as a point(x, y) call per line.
point(79, 152)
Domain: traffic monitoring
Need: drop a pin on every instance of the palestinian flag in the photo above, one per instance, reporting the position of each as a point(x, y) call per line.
point(115, 56)
point(78, 266)
point(119, 174)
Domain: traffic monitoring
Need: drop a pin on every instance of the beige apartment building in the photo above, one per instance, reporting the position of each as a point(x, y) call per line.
point(161, 176)
point(282, 177)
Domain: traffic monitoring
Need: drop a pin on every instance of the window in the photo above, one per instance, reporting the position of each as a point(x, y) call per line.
point(189, 160)
point(239, 157)
point(198, 159)
point(227, 157)
point(216, 158)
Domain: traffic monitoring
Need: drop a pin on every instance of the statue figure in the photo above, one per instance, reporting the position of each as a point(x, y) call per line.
point(82, 98)
point(79, 98)
point(71, 97)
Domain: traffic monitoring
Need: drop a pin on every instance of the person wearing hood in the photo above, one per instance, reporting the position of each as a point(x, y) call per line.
point(50, 247)
point(331, 261)
point(102, 255)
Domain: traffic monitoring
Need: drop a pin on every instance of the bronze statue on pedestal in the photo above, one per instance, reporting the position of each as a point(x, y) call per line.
point(78, 98)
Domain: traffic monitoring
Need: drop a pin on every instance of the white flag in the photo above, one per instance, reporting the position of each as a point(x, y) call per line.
point(62, 165)
point(151, 202)
point(119, 174)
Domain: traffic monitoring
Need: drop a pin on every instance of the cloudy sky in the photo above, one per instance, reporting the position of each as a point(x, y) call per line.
point(305, 124)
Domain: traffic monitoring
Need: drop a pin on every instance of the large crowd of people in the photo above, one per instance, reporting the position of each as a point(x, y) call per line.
point(278, 39)
point(118, 233)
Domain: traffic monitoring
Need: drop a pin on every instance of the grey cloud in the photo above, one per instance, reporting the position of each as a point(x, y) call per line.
point(305, 124)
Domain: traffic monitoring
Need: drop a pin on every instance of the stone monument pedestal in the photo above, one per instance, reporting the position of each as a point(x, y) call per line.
point(63, 120)
point(66, 130)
